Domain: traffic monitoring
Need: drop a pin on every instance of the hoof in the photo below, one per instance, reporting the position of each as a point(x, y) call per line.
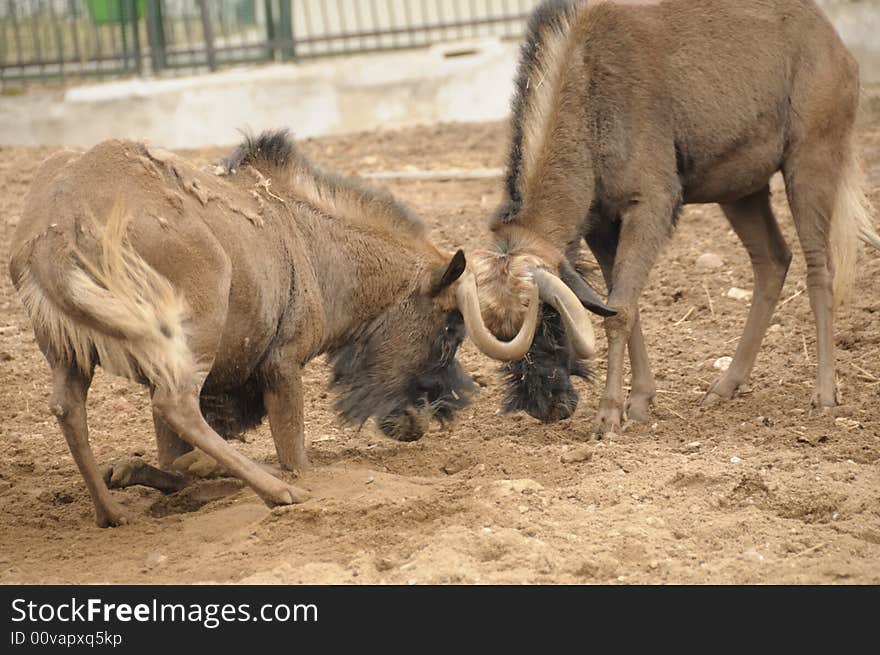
point(638, 407)
point(825, 403)
point(723, 390)
point(199, 464)
point(135, 471)
point(123, 473)
point(609, 418)
point(111, 515)
point(286, 494)
point(711, 399)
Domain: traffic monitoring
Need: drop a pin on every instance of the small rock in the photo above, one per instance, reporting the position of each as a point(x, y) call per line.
point(709, 262)
point(738, 294)
point(735, 460)
point(524, 486)
point(384, 564)
point(751, 553)
point(722, 363)
point(155, 559)
point(370, 480)
point(579, 454)
point(455, 466)
point(694, 444)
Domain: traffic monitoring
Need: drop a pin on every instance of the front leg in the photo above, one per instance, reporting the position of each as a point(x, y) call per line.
point(603, 241)
point(643, 389)
point(610, 415)
point(645, 228)
point(284, 404)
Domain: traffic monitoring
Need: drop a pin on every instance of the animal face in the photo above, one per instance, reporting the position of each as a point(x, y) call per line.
point(504, 281)
point(539, 383)
point(402, 370)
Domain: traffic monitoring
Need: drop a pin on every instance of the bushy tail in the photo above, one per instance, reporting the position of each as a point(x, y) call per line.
point(126, 313)
point(851, 223)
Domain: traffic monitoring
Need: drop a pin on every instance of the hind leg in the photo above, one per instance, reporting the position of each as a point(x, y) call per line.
point(135, 471)
point(180, 410)
point(811, 177)
point(169, 446)
point(753, 221)
point(70, 387)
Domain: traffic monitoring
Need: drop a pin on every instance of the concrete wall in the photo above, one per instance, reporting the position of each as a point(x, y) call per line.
point(331, 96)
point(467, 81)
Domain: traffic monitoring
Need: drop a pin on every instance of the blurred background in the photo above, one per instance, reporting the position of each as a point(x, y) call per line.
point(335, 65)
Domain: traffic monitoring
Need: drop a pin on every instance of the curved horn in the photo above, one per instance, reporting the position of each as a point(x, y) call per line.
point(585, 293)
point(506, 351)
point(556, 293)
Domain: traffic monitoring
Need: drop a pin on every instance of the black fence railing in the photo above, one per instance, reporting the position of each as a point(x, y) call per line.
point(48, 40)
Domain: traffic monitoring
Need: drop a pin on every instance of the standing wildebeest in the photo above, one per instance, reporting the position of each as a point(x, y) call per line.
point(223, 287)
point(625, 111)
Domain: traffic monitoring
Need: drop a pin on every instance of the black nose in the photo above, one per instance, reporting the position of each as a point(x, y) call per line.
point(402, 426)
point(557, 406)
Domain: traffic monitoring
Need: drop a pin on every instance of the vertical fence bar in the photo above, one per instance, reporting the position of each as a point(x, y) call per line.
point(74, 29)
point(59, 39)
point(136, 37)
point(208, 33)
point(223, 23)
point(2, 51)
point(359, 23)
point(325, 23)
point(307, 29)
point(35, 36)
point(270, 30)
point(16, 31)
point(123, 33)
point(285, 30)
point(156, 36)
point(99, 45)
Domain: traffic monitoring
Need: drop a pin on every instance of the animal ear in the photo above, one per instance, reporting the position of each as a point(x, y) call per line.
point(450, 274)
point(584, 292)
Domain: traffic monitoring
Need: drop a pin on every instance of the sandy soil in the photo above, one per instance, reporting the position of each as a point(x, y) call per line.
point(759, 490)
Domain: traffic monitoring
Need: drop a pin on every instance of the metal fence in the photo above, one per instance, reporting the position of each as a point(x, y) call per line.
point(58, 40)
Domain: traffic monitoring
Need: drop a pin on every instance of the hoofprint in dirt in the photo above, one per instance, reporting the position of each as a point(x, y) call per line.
point(759, 490)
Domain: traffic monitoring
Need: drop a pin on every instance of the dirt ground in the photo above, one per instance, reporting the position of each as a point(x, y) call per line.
point(760, 490)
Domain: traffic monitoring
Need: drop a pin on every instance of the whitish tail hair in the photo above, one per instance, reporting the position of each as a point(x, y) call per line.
point(850, 224)
point(137, 325)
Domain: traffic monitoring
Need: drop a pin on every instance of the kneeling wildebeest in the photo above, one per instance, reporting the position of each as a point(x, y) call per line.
point(222, 286)
point(624, 111)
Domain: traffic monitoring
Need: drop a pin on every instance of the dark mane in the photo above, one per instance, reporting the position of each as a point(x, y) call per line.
point(275, 147)
point(549, 14)
point(338, 196)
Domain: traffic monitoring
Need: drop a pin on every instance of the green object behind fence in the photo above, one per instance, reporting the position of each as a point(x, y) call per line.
point(112, 11)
